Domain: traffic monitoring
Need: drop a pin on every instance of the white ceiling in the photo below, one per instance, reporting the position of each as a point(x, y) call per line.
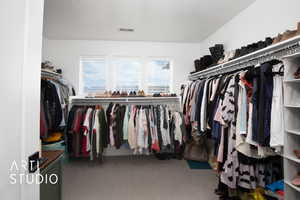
point(153, 20)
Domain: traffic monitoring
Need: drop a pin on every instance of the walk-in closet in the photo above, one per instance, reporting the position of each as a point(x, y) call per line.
point(150, 100)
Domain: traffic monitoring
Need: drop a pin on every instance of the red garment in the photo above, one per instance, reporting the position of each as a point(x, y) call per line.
point(77, 121)
point(85, 137)
point(76, 131)
point(249, 88)
point(156, 147)
point(280, 192)
point(84, 143)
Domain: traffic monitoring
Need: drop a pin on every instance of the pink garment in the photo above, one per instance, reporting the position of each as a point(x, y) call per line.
point(218, 115)
point(132, 129)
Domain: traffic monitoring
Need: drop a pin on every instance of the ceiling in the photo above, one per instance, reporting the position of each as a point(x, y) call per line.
point(152, 20)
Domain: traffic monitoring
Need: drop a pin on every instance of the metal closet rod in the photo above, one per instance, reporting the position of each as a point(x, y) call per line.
point(124, 103)
point(136, 103)
point(145, 101)
point(276, 51)
point(99, 102)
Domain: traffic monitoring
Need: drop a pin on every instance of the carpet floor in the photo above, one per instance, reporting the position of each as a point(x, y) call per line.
point(136, 178)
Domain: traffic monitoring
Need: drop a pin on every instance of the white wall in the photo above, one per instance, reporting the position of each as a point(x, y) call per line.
point(261, 19)
point(20, 55)
point(66, 53)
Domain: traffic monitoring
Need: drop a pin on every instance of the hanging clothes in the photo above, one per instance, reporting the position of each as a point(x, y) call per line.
point(54, 106)
point(146, 129)
point(87, 132)
point(277, 122)
point(237, 112)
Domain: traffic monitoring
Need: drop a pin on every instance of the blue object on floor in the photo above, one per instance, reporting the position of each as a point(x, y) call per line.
point(278, 185)
point(198, 165)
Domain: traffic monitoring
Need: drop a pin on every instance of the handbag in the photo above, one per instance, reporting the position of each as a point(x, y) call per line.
point(197, 149)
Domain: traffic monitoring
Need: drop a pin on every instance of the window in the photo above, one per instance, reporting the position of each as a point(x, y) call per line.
point(159, 76)
point(125, 74)
point(93, 74)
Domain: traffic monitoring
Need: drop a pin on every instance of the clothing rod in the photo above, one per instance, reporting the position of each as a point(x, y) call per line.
point(121, 98)
point(135, 103)
point(277, 51)
point(129, 100)
point(125, 99)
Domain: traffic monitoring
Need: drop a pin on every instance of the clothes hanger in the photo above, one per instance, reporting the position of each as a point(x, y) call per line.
point(280, 71)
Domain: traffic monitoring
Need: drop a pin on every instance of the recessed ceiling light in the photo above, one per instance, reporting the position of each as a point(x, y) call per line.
point(126, 29)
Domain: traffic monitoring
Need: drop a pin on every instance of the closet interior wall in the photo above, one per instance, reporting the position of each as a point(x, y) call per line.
point(247, 27)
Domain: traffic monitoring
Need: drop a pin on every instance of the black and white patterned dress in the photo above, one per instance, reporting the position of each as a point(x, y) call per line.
point(234, 173)
point(229, 172)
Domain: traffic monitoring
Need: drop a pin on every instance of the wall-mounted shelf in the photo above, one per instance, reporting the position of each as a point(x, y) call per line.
point(292, 106)
point(292, 81)
point(292, 186)
point(294, 131)
point(292, 158)
point(286, 49)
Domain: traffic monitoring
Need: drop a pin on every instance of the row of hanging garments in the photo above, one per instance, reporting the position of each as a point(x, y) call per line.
point(86, 130)
point(144, 129)
point(54, 110)
point(242, 112)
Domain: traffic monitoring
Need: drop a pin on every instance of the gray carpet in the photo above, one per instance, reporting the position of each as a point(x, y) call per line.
point(136, 178)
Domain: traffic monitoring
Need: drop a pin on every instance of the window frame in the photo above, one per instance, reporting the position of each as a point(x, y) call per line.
point(110, 68)
point(114, 69)
point(147, 63)
point(91, 58)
